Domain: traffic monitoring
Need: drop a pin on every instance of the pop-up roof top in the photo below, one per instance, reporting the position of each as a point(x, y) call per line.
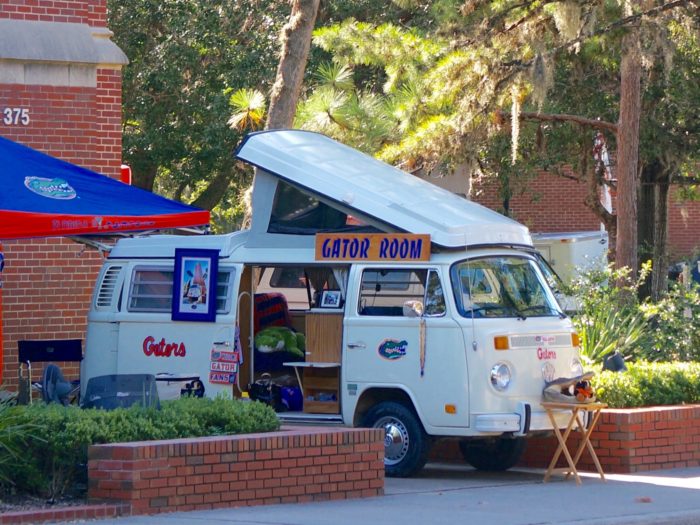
point(336, 179)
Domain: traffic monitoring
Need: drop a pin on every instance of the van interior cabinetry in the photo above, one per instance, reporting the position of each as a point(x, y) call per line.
point(321, 382)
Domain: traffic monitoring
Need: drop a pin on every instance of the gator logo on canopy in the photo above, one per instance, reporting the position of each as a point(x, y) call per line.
point(51, 188)
point(392, 349)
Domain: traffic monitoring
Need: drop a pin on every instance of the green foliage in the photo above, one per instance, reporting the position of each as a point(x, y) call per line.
point(185, 59)
point(674, 325)
point(14, 433)
point(445, 70)
point(613, 319)
point(649, 384)
point(607, 332)
point(610, 319)
point(54, 458)
point(249, 110)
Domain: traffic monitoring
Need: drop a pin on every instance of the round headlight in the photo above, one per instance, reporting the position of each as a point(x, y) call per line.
point(576, 367)
point(500, 376)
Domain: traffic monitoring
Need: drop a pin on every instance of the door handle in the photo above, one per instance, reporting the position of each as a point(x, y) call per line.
point(221, 343)
point(357, 345)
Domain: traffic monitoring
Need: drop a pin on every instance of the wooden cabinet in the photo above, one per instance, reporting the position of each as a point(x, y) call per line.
point(321, 390)
point(324, 334)
point(321, 381)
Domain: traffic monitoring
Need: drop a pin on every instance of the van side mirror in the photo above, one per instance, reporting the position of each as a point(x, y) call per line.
point(412, 309)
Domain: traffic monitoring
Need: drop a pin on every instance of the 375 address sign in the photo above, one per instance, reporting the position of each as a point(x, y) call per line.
point(15, 116)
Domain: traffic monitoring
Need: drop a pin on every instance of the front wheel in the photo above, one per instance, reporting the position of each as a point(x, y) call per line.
point(492, 454)
point(406, 445)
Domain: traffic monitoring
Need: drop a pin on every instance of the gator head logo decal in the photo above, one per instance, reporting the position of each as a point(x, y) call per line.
point(51, 188)
point(392, 349)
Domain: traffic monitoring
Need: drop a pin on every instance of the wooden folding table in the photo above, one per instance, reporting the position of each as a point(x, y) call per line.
point(575, 422)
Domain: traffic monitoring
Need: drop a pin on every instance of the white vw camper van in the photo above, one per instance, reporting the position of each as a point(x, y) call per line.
point(422, 313)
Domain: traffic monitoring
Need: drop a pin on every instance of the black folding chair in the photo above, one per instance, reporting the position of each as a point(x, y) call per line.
point(121, 391)
point(43, 351)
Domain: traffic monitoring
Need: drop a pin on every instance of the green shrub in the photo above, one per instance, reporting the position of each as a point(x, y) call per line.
point(649, 384)
point(610, 319)
point(674, 325)
point(14, 433)
point(54, 461)
point(613, 319)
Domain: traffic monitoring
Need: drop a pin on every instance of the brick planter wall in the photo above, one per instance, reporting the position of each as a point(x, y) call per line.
point(625, 441)
point(297, 464)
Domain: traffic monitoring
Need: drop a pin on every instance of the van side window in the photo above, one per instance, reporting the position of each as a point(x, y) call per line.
point(391, 292)
point(296, 212)
point(224, 281)
point(434, 296)
point(152, 290)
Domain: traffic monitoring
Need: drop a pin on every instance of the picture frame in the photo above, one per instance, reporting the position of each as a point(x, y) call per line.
point(194, 285)
point(330, 299)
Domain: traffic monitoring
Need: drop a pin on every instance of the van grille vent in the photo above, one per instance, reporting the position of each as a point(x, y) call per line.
point(107, 286)
point(533, 341)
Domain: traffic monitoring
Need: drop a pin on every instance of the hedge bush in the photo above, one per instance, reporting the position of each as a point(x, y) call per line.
point(613, 318)
point(14, 433)
point(54, 458)
point(649, 384)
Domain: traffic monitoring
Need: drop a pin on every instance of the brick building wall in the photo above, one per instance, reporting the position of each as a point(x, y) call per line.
point(683, 227)
point(74, 113)
point(91, 12)
point(546, 203)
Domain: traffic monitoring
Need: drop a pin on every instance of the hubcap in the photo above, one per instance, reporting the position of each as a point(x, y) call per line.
point(396, 439)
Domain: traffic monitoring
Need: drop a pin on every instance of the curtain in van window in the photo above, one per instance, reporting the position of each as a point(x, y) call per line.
point(318, 277)
point(341, 277)
point(322, 278)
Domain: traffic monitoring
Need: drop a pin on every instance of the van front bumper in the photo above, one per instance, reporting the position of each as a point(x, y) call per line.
point(518, 423)
point(521, 422)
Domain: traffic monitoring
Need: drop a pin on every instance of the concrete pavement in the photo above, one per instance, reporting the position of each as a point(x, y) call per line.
point(461, 495)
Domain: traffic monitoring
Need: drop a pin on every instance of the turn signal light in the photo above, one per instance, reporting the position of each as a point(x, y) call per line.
point(500, 342)
point(575, 340)
point(450, 409)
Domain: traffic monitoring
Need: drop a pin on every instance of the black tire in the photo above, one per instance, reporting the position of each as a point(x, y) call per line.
point(493, 455)
point(406, 445)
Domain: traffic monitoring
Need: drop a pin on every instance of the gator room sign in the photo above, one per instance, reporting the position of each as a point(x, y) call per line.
point(395, 247)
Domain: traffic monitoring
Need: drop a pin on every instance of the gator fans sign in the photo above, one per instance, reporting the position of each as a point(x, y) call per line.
point(395, 247)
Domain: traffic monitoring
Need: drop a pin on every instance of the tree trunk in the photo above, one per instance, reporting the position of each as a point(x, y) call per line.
point(213, 193)
point(296, 42)
point(659, 276)
point(628, 152)
point(143, 171)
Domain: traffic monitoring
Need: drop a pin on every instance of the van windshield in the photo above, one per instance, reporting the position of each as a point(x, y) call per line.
point(501, 287)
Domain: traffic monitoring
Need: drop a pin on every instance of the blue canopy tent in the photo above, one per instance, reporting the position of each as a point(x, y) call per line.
point(43, 196)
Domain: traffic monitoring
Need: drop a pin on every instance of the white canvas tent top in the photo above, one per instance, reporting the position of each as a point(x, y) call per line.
point(379, 195)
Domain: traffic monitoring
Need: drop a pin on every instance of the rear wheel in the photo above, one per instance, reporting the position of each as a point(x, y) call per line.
point(492, 454)
point(406, 445)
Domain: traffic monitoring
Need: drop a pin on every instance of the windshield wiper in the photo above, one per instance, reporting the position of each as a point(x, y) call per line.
point(546, 308)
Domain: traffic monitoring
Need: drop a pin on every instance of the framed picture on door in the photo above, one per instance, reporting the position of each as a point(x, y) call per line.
point(194, 285)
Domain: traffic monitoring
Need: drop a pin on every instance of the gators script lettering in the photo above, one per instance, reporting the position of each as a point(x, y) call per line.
point(163, 349)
